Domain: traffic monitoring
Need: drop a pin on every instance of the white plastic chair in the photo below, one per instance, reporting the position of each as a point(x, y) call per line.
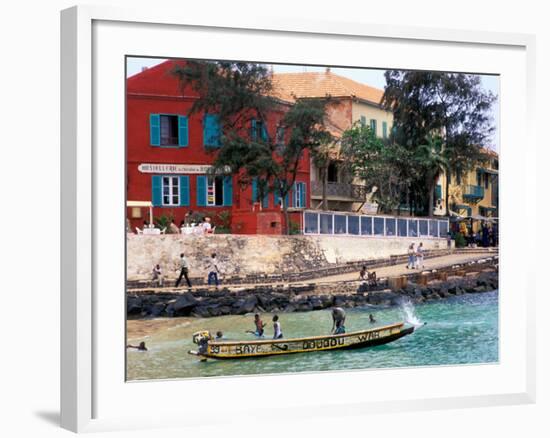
point(138, 231)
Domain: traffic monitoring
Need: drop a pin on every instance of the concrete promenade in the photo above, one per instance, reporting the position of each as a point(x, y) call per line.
point(381, 272)
point(401, 269)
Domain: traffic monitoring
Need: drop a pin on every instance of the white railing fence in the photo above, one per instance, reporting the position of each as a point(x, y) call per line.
point(341, 223)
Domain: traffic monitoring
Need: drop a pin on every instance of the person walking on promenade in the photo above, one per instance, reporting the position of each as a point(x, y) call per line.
point(410, 253)
point(419, 261)
point(157, 275)
point(213, 270)
point(277, 332)
point(184, 266)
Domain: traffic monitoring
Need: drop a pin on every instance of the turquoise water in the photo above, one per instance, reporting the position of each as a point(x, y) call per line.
point(459, 330)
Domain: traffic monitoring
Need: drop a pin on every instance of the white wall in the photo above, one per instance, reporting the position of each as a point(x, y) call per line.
point(29, 184)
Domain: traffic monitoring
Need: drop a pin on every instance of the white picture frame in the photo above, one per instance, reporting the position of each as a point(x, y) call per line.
point(91, 387)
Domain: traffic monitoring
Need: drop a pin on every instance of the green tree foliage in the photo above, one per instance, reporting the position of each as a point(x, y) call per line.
point(453, 106)
point(240, 92)
point(385, 165)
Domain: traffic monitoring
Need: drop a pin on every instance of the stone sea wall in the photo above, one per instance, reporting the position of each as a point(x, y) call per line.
point(259, 255)
point(209, 302)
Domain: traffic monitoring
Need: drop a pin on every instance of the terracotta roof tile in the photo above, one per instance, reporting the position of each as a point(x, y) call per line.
point(292, 86)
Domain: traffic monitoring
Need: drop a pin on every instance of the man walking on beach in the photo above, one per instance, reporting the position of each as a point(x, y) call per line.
point(213, 271)
point(184, 266)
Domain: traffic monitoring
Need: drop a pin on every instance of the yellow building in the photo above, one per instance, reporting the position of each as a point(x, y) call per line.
point(350, 102)
point(472, 195)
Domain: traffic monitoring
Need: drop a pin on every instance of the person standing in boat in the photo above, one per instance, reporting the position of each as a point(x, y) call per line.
point(277, 332)
point(338, 319)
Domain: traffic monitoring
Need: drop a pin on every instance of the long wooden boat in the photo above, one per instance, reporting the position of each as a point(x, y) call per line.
point(208, 349)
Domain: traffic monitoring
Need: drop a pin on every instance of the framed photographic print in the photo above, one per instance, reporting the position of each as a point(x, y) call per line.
point(301, 207)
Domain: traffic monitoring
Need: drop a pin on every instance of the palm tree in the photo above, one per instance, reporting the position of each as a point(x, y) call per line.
point(432, 161)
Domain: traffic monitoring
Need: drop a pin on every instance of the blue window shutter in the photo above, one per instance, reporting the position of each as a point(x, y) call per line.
point(303, 195)
point(363, 120)
point(265, 201)
point(264, 132)
point(254, 190)
point(156, 195)
point(438, 191)
point(276, 198)
point(253, 129)
point(227, 191)
point(385, 129)
point(211, 130)
point(201, 190)
point(184, 191)
point(154, 129)
point(183, 131)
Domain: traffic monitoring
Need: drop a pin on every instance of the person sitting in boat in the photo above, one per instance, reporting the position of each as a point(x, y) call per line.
point(371, 318)
point(140, 347)
point(219, 336)
point(259, 326)
point(277, 332)
point(338, 319)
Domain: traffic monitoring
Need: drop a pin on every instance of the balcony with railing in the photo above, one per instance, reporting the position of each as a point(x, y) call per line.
point(473, 193)
point(340, 191)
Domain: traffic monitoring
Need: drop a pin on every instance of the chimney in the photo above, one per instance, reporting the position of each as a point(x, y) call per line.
point(327, 70)
point(143, 68)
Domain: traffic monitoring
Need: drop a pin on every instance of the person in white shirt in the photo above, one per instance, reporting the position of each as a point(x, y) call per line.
point(157, 275)
point(206, 225)
point(213, 270)
point(277, 332)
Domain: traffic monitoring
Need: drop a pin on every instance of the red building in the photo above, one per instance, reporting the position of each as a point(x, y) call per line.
point(170, 151)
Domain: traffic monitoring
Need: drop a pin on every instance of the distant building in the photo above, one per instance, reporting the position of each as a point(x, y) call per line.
point(350, 102)
point(473, 194)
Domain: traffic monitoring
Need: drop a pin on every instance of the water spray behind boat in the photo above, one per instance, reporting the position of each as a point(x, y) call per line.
point(409, 314)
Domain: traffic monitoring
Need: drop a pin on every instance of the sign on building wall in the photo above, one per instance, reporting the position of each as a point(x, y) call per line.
point(174, 168)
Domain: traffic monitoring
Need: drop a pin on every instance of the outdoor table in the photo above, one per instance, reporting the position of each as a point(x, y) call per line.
point(153, 231)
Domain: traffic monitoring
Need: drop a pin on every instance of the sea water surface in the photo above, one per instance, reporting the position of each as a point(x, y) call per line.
point(459, 330)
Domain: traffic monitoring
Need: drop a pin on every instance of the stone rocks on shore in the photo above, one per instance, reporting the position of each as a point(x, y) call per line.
point(208, 303)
